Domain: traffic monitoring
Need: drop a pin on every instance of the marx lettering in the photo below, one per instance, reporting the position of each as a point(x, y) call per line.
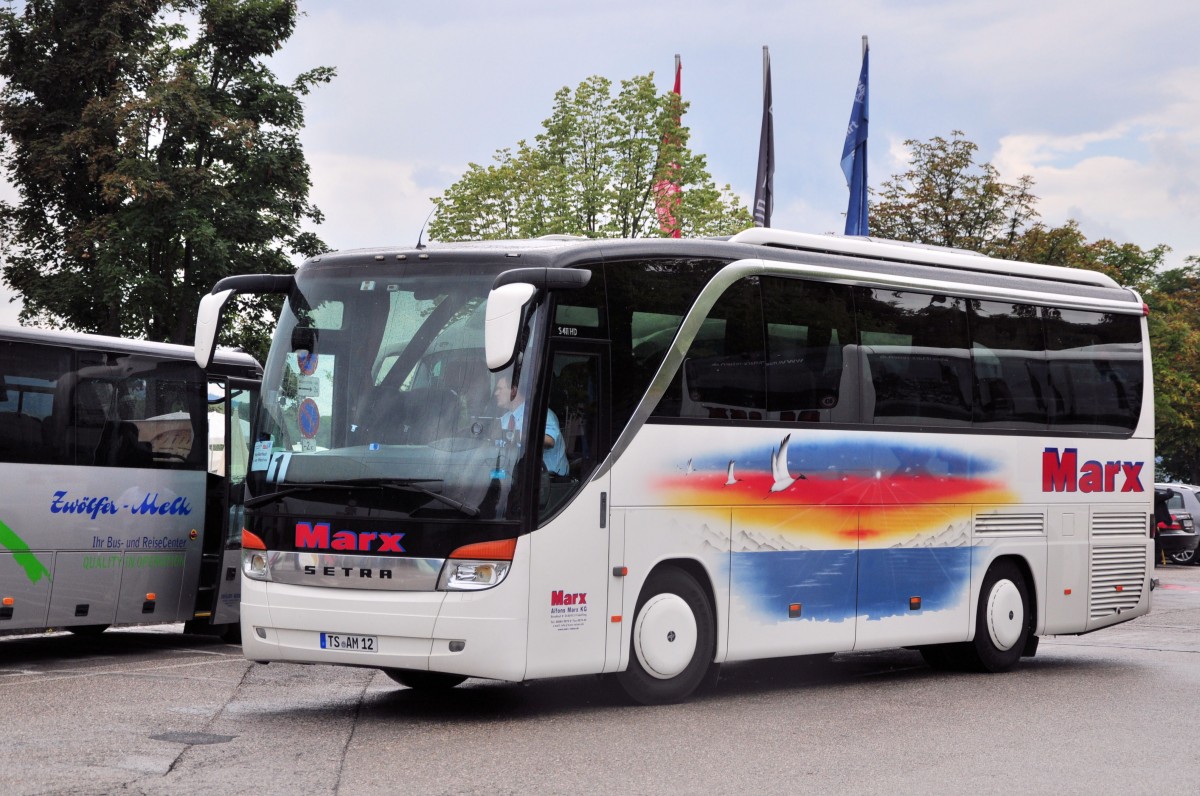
point(319, 535)
point(558, 598)
point(1061, 472)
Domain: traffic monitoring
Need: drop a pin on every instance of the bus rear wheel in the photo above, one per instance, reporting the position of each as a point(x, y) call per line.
point(1003, 620)
point(425, 681)
point(673, 640)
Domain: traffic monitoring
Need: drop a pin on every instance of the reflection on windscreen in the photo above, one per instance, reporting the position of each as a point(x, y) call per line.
point(384, 382)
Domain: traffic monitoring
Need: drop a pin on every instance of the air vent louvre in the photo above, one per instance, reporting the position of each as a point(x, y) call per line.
point(1118, 576)
point(1119, 523)
point(1009, 524)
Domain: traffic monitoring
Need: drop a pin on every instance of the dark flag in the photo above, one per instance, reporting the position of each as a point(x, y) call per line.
point(854, 154)
point(764, 185)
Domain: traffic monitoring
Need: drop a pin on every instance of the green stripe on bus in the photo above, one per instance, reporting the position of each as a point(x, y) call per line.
point(35, 570)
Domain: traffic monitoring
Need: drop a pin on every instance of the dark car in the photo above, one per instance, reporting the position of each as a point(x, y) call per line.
point(1176, 510)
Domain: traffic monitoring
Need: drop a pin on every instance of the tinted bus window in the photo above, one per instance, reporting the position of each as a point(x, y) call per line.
point(29, 376)
point(646, 303)
point(723, 376)
point(807, 326)
point(1008, 349)
point(1095, 370)
point(915, 358)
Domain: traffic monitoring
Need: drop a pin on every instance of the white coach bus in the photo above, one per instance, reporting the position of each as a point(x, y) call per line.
point(771, 445)
point(121, 465)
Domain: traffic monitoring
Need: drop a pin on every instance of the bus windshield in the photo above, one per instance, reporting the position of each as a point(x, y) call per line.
point(376, 393)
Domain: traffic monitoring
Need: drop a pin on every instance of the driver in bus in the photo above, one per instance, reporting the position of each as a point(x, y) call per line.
point(511, 401)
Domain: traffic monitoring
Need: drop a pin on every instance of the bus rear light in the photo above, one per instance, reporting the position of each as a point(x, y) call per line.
point(251, 541)
point(477, 566)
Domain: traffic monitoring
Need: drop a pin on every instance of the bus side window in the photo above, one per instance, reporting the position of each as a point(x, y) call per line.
point(808, 327)
point(918, 355)
point(28, 376)
point(1008, 349)
point(1095, 370)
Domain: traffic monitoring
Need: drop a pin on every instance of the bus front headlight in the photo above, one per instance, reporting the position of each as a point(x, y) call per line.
point(254, 557)
point(477, 566)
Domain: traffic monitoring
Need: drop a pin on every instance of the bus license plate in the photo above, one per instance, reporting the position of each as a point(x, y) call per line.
point(341, 641)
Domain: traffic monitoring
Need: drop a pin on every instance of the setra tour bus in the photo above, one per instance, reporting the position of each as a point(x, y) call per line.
point(529, 459)
point(121, 466)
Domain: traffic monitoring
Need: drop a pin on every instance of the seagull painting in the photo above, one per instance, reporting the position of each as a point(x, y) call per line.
point(729, 479)
point(779, 467)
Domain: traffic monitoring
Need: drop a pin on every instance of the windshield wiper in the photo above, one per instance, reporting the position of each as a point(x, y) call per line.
point(408, 485)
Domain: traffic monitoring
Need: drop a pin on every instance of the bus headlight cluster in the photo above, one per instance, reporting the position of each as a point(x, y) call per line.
point(477, 566)
point(472, 575)
point(254, 564)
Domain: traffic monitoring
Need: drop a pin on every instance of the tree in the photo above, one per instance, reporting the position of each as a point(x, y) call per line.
point(593, 170)
point(946, 199)
point(152, 158)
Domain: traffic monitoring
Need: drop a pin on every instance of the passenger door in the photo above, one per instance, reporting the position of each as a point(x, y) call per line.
point(569, 565)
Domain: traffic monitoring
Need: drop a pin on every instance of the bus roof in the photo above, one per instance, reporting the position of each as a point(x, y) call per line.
point(224, 359)
point(868, 255)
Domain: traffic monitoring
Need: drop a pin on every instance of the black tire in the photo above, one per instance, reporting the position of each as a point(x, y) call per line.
point(671, 610)
point(1003, 620)
point(425, 681)
point(88, 631)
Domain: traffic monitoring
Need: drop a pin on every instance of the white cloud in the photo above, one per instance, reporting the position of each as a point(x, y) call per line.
point(1137, 180)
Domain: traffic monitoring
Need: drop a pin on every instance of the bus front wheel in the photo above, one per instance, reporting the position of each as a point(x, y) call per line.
point(673, 641)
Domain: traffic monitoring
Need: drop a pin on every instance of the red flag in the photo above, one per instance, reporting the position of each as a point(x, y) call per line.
point(666, 189)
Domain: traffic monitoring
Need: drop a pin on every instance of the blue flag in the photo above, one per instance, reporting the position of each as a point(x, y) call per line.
point(854, 156)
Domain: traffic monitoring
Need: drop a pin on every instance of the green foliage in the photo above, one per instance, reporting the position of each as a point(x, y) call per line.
point(945, 198)
point(151, 161)
point(598, 168)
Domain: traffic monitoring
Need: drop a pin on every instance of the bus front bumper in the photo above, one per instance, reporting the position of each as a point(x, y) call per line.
point(477, 634)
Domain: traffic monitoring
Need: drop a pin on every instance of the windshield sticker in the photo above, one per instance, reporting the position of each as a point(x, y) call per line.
point(35, 570)
point(262, 455)
point(368, 284)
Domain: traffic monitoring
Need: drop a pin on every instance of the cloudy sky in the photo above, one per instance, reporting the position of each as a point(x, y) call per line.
point(1097, 100)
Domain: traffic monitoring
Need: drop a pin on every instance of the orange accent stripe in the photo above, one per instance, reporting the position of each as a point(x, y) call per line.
point(251, 541)
point(502, 550)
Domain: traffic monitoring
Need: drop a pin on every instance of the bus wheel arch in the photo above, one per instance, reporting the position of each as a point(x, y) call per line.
point(673, 635)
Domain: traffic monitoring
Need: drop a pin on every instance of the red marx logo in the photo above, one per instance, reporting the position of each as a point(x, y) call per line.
point(317, 535)
point(559, 598)
point(1063, 473)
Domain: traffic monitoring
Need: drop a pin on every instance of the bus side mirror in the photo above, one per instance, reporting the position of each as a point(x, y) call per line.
point(502, 322)
point(208, 317)
point(208, 321)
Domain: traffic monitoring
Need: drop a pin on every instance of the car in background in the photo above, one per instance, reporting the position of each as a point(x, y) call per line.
point(1175, 534)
